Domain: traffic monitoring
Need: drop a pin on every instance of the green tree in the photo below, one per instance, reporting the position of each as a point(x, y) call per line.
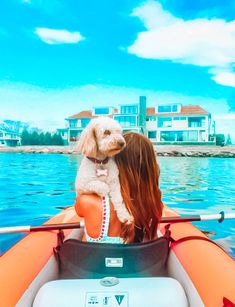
point(57, 139)
point(229, 141)
point(34, 138)
point(41, 139)
point(25, 138)
point(48, 139)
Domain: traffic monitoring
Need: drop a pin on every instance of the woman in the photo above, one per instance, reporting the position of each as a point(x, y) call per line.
point(139, 179)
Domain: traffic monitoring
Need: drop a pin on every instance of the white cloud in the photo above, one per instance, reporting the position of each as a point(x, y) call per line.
point(54, 36)
point(201, 42)
point(225, 78)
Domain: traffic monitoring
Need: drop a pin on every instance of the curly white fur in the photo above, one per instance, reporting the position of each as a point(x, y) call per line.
point(102, 138)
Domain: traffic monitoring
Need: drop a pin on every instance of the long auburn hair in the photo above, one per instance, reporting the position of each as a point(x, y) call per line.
point(139, 179)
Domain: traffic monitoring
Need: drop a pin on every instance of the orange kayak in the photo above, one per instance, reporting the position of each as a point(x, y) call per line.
point(199, 273)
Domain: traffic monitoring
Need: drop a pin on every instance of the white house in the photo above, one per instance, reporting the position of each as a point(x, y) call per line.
point(164, 124)
point(179, 124)
point(8, 137)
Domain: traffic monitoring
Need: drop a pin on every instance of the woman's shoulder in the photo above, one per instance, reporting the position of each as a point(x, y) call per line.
point(87, 202)
point(88, 198)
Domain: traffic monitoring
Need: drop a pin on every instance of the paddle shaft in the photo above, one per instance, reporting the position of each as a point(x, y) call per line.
point(15, 229)
point(194, 218)
point(172, 219)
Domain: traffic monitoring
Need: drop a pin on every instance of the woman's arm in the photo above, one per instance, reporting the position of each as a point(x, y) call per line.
point(79, 205)
point(89, 207)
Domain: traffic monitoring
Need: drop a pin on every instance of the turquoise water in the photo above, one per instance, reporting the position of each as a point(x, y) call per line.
point(34, 187)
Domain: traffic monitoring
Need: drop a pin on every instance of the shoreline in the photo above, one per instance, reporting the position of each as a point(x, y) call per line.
point(161, 150)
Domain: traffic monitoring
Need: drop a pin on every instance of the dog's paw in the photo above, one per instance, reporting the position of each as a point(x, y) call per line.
point(130, 220)
point(125, 217)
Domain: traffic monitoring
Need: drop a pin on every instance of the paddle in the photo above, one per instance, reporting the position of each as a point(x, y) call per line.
point(172, 219)
point(14, 229)
point(203, 217)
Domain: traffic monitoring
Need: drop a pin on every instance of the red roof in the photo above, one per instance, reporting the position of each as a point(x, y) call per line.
point(150, 111)
point(82, 114)
point(88, 114)
point(193, 110)
point(185, 110)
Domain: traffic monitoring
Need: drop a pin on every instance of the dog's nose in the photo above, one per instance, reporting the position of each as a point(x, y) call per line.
point(121, 143)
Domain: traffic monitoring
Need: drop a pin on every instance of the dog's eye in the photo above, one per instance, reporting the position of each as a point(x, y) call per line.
point(107, 132)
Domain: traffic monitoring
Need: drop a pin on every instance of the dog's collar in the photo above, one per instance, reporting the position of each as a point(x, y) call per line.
point(96, 161)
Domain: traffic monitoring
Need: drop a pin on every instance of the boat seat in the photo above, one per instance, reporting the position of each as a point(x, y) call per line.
point(79, 259)
point(112, 292)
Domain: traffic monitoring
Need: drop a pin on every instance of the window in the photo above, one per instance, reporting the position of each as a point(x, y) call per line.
point(191, 135)
point(152, 134)
point(79, 123)
point(195, 122)
point(129, 110)
point(179, 136)
point(73, 123)
point(179, 118)
point(168, 108)
point(170, 136)
point(101, 111)
point(164, 109)
point(164, 122)
point(126, 121)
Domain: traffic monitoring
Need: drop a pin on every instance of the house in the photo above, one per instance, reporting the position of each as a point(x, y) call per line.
point(163, 124)
point(132, 117)
point(76, 124)
point(174, 123)
point(9, 137)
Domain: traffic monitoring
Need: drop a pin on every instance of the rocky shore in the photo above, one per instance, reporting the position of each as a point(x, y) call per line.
point(161, 150)
point(195, 151)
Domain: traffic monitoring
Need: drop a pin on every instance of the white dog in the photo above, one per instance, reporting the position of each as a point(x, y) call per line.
point(98, 173)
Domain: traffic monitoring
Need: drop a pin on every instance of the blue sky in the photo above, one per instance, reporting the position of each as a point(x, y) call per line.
point(58, 57)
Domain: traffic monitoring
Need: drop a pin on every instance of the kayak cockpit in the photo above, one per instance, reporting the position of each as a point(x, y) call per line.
point(112, 275)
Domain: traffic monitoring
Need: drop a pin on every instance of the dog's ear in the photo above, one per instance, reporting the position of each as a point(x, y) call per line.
point(87, 144)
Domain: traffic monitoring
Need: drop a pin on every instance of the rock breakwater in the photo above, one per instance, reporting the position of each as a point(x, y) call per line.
point(195, 151)
point(161, 150)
